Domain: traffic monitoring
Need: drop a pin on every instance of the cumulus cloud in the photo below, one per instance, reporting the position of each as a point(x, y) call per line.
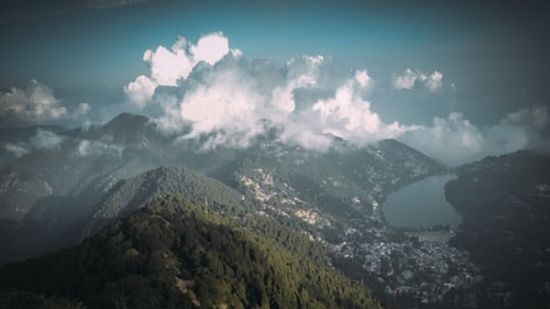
point(210, 48)
point(409, 78)
point(35, 103)
point(434, 81)
point(230, 101)
point(227, 106)
point(141, 90)
point(455, 140)
point(362, 77)
point(167, 66)
point(209, 92)
point(349, 116)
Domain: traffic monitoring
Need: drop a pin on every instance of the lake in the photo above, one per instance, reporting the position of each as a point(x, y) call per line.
point(421, 204)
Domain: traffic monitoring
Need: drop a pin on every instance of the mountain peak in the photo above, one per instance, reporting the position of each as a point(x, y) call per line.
point(125, 118)
point(128, 129)
point(134, 192)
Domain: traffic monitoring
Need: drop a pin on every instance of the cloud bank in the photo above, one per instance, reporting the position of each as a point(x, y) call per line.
point(35, 104)
point(455, 140)
point(16, 149)
point(42, 140)
point(208, 91)
point(228, 100)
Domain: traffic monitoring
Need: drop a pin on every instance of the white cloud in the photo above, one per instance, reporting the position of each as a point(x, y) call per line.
point(210, 48)
point(81, 110)
point(363, 79)
point(96, 148)
point(43, 139)
point(167, 66)
point(348, 116)
point(455, 140)
point(36, 103)
point(300, 73)
point(526, 128)
point(141, 90)
point(232, 103)
point(405, 80)
point(16, 149)
point(452, 140)
point(226, 106)
point(409, 78)
point(46, 139)
point(434, 81)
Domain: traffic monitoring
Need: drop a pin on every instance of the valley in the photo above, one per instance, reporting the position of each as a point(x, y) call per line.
point(327, 209)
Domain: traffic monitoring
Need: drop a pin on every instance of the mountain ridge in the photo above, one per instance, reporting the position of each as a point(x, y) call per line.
point(173, 254)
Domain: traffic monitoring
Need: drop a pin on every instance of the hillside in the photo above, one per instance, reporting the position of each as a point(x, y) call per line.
point(505, 203)
point(48, 194)
point(132, 193)
point(49, 191)
point(334, 192)
point(174, 254)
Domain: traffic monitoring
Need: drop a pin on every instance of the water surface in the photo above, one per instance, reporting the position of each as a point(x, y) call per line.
point(421, 204)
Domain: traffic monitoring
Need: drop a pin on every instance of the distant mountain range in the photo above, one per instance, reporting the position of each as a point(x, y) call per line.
point(50, 191)
point(157, 221)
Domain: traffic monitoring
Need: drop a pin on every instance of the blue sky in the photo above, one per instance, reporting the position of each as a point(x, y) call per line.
point(493, 56)
point(494, 53)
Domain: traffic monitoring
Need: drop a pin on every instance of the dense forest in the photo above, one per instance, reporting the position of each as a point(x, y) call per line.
point(174, 254)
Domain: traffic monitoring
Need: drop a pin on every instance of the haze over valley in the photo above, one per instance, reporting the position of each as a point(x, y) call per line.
point(176, 154)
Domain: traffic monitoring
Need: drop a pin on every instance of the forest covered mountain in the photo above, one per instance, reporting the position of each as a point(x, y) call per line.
point(264, 154)
point(122, 193)
point(56, 189)
point(132, 193)
point(505, 204)
point(173, 254)
point(304, 200)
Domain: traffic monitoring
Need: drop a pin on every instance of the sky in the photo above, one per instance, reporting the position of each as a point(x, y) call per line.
point(456, 80)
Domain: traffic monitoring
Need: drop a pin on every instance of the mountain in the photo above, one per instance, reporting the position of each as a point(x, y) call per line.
point(171, 254)
point(325, 206)
point(126, 129)
point(505, 204)
point(135, 192)
point(335, 190)
point(50, 193)
point(15, 137)
point(86, 163)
